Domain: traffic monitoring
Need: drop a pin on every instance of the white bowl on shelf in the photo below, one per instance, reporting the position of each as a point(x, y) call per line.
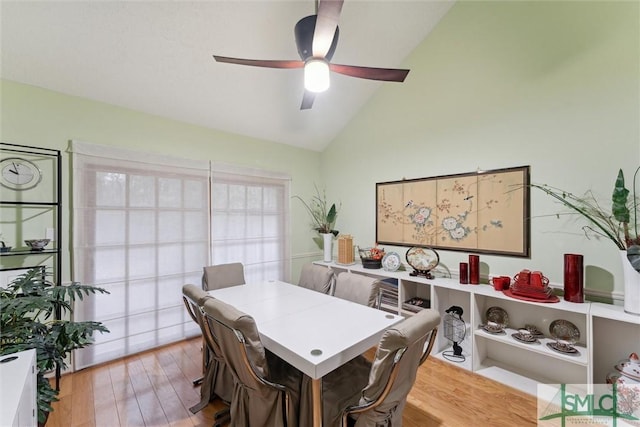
point(37, 244)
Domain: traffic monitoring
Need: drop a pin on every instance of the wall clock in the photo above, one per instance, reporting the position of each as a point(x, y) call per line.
point(19, 174)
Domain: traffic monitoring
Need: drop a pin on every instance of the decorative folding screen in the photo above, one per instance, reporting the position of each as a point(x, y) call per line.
point(482, 212)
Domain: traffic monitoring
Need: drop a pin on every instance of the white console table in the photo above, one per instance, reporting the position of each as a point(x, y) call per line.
point(607, 333)
point(18, 390)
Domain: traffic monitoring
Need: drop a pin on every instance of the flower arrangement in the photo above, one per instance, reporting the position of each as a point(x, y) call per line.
point(620, 224)
point(323, 218)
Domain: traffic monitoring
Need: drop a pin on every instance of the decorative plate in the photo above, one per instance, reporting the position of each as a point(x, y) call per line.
point(564, 330)
point(525, 337)
point(498, 316)
point(493, 329)
point(563, 348)
point(391, 261)
point(422, 259)
point(533, 330)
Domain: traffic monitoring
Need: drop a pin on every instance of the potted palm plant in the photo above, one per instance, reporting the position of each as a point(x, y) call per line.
point(619, 224)
point(323, 218)
point(37, 314)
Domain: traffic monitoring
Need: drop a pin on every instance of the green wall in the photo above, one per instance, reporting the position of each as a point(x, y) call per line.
point(39, 117)
point(553, 85)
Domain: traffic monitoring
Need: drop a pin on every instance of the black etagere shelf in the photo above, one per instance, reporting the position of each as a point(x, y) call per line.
point(8, 150)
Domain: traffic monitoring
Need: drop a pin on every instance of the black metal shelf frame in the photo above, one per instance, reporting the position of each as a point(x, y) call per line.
point(56, 204)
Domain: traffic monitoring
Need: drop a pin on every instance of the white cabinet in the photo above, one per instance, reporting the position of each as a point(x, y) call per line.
point(607, 333)
point(18, 389)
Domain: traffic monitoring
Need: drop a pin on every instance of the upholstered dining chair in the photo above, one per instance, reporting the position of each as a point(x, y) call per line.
point(266, 389)
point(357, 288)
point(218, 380)
point(217, 277)
point(222, 276)
point(317, 278)
point(376, 392)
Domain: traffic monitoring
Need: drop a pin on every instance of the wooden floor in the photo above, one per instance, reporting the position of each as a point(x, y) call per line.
point(154, 389)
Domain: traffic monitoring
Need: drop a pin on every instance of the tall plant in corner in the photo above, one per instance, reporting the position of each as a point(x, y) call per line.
point(28, 308)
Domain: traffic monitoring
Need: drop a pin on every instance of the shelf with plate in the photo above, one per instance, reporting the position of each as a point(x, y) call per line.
point(541, 346)
point(607, 333)
point(536, 361)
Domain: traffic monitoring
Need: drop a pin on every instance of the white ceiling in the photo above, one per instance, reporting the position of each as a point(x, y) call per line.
point(156, 57)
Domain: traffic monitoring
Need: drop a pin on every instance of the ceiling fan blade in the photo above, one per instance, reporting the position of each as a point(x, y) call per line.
point(326, 24)
point(260, 62)
point(371, 73)
point(307, 100)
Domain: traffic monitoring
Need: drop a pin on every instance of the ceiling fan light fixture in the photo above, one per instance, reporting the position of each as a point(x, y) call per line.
point(316, 75)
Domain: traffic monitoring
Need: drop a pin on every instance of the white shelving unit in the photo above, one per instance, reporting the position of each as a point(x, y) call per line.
point(607, 333)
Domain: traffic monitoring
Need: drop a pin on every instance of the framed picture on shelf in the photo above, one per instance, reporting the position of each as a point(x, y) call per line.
point(481, 212)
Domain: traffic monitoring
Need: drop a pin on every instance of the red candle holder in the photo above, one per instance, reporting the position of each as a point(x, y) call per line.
point(464, 273)
point(573, 278)
point(474, 269)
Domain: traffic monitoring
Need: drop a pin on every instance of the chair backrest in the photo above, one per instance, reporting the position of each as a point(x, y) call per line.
point(222, 276)
point(357, 288)
point(402, 349)
point(318, 278)
point(193, 298)
point(256, 400)
point(217, 379)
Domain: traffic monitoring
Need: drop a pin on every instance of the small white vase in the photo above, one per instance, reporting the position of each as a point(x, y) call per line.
point(327, 242)
point(631, 286)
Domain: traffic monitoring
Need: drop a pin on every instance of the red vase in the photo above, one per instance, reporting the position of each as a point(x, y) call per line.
point(474, 269)
point(464, 273)
point(573, 278)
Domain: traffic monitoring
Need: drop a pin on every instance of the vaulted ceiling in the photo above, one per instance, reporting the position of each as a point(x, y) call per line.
point(156, 57)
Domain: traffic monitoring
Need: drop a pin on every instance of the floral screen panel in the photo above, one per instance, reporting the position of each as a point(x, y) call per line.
point(485, 212)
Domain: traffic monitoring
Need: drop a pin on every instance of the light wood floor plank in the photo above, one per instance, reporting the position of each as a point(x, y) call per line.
point(154, 389)
point(82, 404)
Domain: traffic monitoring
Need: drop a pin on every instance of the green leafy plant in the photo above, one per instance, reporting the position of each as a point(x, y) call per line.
point(323, 217)
point(619, 224)
point(28, 308)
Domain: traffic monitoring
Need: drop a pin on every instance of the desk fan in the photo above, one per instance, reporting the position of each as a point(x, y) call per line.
point(454, 331)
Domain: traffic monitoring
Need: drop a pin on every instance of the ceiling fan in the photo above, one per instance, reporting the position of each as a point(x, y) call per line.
point(316, 38)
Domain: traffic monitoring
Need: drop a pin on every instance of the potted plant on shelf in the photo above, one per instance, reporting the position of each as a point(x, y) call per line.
point(28, 308)
point(323, 218)
point(619, 224)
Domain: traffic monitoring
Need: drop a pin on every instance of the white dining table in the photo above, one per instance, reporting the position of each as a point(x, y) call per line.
point(314, 332)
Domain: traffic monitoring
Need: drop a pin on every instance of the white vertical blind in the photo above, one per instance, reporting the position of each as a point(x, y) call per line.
point(140, 230)
point(250, 221)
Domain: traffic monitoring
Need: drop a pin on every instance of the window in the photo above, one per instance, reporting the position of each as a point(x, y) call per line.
point(250, 221)
point(140, 228)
